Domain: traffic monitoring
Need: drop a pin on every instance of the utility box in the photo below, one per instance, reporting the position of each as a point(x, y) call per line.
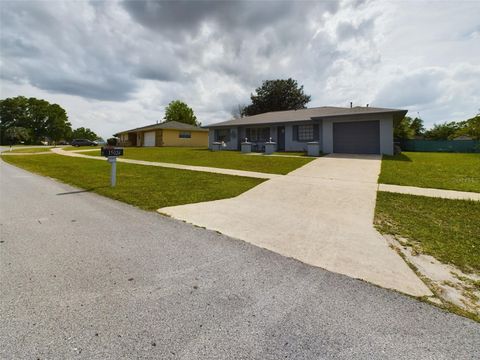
point(216, 146)
point(270, 147)
point(246, 147)
point(313, 148)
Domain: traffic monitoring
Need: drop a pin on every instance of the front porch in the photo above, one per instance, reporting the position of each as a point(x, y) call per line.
point(288, 137)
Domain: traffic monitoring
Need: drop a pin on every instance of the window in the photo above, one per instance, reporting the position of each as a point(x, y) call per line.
point(258, 134)
point(222, 135)
point(305, 133)
point(185, 135)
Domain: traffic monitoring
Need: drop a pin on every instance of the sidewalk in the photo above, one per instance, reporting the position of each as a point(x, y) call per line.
point(439, 193)
point(244, 173)
point(446, 194)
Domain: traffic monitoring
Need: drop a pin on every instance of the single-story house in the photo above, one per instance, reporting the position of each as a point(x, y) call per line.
point(355, 130)
point(171, 133)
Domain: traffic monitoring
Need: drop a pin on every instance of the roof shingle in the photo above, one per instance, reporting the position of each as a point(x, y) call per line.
point(306, 114)
point(171, 125)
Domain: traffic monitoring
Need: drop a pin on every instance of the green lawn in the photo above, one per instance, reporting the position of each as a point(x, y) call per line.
point(452, 171)
point(218, 159)
point(291, 153)
point(449, 230)
point(30, 150)
point(147, 187)
point(72, 148)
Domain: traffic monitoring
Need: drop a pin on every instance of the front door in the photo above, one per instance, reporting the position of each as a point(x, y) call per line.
point(281, 138)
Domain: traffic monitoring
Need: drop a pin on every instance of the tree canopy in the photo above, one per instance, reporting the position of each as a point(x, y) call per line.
point(470, 127)
point(179, 111)
point(444, 131)
point(84, 133)
point(40, 118)
point(34, 120)
point(16, 135)
point(277, 95)
point(408, 128)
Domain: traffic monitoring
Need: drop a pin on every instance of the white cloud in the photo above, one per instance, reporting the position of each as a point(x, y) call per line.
point(115, 65)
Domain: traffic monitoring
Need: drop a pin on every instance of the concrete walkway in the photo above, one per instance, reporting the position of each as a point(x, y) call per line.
point(320, 214)
point(24, 153)
point(448, 194)
point(440, 193)
point(244, 173)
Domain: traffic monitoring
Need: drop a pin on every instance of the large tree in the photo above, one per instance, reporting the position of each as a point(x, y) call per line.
point(83, 133)
point(417, 126)
point(443, 131)
point(39, 117)
point(277, 95)
point(16, 134)
point(179, 111)
point(408, 128)
point(470, 127)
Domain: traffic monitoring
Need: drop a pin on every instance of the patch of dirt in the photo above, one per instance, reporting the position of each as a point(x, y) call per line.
point(451, 285)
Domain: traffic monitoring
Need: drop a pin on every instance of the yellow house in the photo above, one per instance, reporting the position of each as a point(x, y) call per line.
point(170, 133)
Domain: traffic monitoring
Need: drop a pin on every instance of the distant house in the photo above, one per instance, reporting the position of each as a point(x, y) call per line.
point(170, 133)
point(463, 137)
point(354, 130)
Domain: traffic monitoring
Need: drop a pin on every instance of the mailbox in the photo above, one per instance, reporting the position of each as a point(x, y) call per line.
point(108, 152)
point(111, 153)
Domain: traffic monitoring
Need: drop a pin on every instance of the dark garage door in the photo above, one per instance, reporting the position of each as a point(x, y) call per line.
point(359, 137)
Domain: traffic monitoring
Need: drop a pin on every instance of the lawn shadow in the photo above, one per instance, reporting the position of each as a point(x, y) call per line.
point(398, 157)
point(201, 149)
point(82, 191)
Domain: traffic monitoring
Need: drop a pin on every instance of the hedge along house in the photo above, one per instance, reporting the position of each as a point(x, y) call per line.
point(170, 133)
point(354, 130)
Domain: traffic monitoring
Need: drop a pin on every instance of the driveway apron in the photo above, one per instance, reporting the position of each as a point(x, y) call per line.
point(321, 214)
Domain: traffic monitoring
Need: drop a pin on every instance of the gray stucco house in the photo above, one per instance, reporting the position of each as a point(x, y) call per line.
point(355, 130)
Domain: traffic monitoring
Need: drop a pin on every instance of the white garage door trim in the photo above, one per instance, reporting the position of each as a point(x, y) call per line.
point(149, 138)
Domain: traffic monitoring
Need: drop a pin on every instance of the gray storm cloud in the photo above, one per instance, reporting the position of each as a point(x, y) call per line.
point(128, 59)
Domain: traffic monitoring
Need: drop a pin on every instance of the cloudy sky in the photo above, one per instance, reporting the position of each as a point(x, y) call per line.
point(116, 64)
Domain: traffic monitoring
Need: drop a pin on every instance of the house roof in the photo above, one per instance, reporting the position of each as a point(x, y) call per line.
point(307, 114)
point(171, 125)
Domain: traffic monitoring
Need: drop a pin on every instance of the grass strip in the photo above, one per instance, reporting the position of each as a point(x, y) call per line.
point(217, 159)
point(452, 171)
point(146, 187)
point(449, 230)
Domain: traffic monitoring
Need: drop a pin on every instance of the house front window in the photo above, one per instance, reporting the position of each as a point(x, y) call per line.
point(185, 135)
point(222, 135)
point(258, 134)
point(305, 133)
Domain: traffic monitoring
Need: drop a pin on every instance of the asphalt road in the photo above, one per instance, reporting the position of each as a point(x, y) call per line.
point(85, 277)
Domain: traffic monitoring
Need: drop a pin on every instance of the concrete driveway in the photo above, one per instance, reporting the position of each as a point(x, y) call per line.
point(321, 214)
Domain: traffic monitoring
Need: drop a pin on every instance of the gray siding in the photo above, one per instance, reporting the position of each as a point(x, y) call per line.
point(294, 145)
point(231, 145)
point(325, 133)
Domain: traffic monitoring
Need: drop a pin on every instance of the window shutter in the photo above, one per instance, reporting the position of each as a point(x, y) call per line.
point(247, 134)
point(295, 133)
point(215, 134)
point(316, 135)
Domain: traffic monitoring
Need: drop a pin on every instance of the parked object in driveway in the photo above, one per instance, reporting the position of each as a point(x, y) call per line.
point(100, 142)
point(83, 142)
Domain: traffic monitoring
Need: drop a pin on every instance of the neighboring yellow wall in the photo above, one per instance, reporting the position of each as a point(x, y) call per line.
point(199, 138)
